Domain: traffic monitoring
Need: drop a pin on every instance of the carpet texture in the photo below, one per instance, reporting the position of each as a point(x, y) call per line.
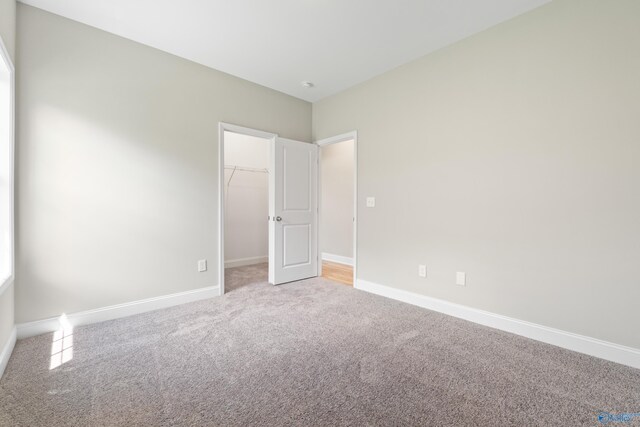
point(306, 353)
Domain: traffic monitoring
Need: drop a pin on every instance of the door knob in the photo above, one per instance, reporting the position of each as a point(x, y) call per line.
point(278, 218)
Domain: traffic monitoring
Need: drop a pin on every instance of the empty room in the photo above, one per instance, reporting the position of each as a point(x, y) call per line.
point(319, 213)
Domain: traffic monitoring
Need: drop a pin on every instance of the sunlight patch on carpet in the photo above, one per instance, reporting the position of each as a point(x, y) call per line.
point(62, 345)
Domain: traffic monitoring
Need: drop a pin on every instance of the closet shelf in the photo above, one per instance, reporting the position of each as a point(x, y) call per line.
point(235, 169)
point(246, 169)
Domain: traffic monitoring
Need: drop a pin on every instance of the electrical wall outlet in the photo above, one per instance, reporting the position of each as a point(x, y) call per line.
point(422, 270)
point(202, 265)
point(461, 278)
point(371, 202)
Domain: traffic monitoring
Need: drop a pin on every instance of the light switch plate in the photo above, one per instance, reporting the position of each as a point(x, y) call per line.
point(371, 202)
point(202, 265)
point(461, 278)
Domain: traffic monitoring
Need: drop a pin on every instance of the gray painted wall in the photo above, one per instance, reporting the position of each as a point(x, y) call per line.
point(7, 32)
point(117, 165)
point(6, 315)
point(336, 199)
point(511, 156)
point(8, 25)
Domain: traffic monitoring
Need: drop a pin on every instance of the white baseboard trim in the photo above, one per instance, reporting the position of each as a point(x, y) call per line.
point(241, 262)
point(593, 347)
point(337, 258)
point(40, 327)
point(7, 350)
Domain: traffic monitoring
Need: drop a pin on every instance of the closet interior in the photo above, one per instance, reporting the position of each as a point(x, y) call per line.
point(246, 174)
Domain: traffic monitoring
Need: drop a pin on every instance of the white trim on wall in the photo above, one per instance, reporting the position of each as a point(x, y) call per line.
point(6, 58)
point(582, 344)
point(353, 135)
point(337, 259)
point(241, 262)
point(7, 350)
point(112, 312)
point(228, 127)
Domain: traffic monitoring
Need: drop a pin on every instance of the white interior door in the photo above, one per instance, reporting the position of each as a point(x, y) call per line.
point(293, 211)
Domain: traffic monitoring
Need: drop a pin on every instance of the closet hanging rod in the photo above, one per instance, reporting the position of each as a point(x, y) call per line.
point(246, 169)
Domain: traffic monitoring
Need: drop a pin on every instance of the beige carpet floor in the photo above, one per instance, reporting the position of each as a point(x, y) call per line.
point(308, 353)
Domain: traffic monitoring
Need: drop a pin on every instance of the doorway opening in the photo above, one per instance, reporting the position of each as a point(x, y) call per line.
point(245, 158)
point(269, 210)
point(338, 195)
point(292, 219)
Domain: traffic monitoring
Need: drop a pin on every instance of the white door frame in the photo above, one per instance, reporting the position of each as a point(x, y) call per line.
point(222, 128)
point(353, 135)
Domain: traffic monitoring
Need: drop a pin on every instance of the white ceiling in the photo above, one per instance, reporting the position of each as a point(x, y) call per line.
point(279, 43)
